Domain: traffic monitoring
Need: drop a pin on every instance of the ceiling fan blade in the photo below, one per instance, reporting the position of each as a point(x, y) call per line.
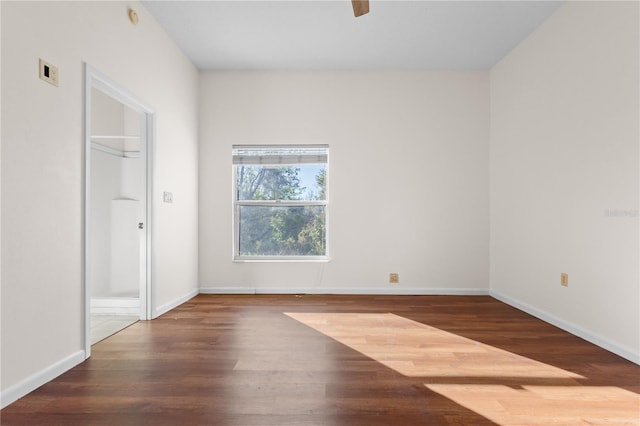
point(360, 7)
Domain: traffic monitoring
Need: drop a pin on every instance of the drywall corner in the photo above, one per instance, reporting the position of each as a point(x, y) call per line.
point(565, 175)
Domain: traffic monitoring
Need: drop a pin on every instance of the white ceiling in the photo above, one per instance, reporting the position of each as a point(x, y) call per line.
point(324, 35)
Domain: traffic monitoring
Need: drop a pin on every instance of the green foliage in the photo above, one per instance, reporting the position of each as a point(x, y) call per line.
point(321, 182)
point(268, 183)
point(280, 230)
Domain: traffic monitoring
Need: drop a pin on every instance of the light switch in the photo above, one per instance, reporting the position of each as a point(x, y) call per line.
point(167, 197)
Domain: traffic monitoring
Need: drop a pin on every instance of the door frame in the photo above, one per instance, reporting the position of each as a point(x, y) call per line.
point(95, 79)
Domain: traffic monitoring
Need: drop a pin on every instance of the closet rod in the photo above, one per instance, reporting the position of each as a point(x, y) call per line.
point(114, 137)
point(115, 152)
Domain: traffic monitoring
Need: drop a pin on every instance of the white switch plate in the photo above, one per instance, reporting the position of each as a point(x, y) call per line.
point(48, 72)
point(167, 197)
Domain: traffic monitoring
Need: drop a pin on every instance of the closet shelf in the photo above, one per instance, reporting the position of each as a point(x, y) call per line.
point(118, 151)
point(117, 137)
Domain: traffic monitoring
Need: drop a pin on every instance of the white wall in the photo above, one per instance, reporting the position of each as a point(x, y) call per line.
point(106, 170)
point(42, 171)
point(564, 157)
point(0, 198)
point(125, 247)
point(408, 183)
point(115, 190)
point(112, 178)
point(107, 115)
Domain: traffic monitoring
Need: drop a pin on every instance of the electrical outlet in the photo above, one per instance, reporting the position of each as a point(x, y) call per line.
point(394, 278)
point(564, 279)
point(48, 72)
point(167, 197)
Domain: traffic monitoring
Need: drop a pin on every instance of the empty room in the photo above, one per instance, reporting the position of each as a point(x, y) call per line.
point(320, 212)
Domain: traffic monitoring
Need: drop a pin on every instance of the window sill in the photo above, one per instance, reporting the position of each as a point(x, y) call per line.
point(266, 259)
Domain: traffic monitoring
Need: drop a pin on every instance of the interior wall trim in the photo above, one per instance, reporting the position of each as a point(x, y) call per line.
point(347, 290)
point(163, 309)
point(115, 306)
point(33, 382)
point(587, 335)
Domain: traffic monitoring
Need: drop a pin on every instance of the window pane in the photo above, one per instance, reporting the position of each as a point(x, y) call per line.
point(300, 182)
point(282, 231)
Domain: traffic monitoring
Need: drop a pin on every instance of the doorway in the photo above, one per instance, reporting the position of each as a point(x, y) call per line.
point(117, 209)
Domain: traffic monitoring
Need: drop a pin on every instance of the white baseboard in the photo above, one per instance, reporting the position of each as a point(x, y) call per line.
point(571, 328)
point(33, 382)
point(227, 290)
point(163, 309)
point(115, 305)
point(344, 290)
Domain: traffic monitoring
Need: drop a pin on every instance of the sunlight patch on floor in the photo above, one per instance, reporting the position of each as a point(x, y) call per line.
point(546, 405)
point(418, 350)
point(504, 387)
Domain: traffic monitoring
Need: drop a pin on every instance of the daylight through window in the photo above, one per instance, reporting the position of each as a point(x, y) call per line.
point(280, 202)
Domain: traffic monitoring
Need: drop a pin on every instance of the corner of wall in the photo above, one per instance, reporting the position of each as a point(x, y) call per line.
point(565, 175)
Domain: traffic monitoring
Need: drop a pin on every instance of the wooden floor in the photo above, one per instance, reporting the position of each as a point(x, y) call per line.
point(339, 360)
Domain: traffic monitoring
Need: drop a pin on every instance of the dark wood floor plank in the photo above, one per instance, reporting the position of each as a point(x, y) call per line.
point(339, 360)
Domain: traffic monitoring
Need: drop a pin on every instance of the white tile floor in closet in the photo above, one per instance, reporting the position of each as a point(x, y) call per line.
point(103, 326)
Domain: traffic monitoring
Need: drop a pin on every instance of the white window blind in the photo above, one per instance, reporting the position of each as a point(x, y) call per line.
point(280, 154)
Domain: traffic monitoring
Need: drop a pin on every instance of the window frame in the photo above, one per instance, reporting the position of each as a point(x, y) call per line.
point(237, 204)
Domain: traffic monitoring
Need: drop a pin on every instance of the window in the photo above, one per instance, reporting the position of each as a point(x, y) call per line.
point(280, 202)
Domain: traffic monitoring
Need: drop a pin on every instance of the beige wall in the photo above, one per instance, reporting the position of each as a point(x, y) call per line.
point(564, 173)
point(408, 176)
point(42, 170)
point(1, 405)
